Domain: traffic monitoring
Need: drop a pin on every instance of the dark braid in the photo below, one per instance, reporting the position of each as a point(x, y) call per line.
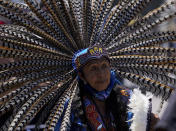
point(79, 112)
point(118, 109)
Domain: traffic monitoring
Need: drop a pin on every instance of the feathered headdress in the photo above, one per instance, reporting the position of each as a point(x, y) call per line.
point(43, 39)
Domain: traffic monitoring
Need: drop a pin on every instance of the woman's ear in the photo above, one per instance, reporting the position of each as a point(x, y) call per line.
point(81, 76)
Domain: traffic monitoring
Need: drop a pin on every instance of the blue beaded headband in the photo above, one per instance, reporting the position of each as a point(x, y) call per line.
point(81, 57)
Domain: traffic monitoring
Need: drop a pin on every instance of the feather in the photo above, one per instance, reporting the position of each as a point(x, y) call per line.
point(42, 39)
point(66, 121)
point(139, 106)
point(148, 84)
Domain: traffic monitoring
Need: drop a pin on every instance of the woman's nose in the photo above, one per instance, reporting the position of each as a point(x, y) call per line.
point(100, 72)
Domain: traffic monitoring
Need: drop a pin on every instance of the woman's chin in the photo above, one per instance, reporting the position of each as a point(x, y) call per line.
point(101, 87)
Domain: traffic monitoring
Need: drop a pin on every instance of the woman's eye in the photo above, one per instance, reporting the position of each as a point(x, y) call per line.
point(104, 66)
point(93, 68)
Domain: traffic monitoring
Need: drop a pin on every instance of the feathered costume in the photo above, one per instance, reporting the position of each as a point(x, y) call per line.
point(43, 39)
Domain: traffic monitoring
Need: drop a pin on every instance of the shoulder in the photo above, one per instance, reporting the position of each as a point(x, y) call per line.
point(122, 93)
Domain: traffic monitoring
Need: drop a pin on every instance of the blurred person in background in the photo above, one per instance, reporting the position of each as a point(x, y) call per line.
point(168, 120)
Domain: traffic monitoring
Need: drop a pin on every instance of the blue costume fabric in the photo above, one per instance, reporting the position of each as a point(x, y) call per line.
point(78, 125)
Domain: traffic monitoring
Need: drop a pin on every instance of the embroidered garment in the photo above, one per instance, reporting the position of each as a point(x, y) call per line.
point(95, 119)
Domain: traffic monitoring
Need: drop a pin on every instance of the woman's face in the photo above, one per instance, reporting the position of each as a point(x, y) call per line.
point(97, 73)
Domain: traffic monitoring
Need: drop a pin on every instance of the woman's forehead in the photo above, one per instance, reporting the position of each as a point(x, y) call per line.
point(96, 61)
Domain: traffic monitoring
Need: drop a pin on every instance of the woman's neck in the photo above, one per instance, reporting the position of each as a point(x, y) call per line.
point(101, 105)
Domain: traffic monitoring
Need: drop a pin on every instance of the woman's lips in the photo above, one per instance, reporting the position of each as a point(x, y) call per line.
point(101, 81)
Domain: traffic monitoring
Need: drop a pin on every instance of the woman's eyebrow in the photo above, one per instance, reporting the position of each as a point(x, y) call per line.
point(93, 64)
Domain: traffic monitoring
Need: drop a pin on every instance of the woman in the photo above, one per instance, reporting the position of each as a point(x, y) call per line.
point(104, 102)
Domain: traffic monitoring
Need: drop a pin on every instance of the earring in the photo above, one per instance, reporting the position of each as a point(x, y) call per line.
point(85, 82)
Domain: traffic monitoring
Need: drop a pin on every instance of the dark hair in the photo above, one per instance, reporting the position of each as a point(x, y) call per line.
point(118, 109)
point(78, 105)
